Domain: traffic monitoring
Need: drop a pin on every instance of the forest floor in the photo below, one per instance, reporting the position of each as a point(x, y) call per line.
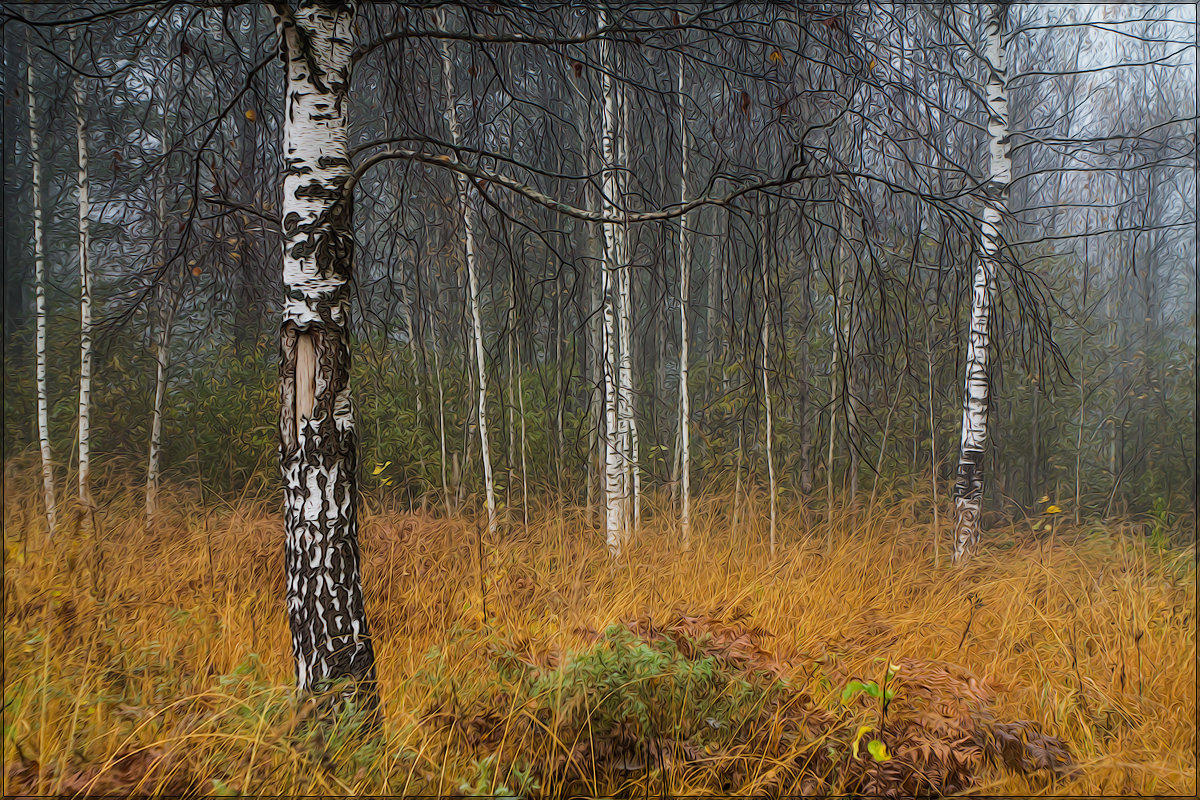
point(858, 660)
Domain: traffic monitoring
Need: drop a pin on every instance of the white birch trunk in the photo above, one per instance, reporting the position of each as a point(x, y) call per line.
point(836, 399)
point(39, 269)
point(437, 371)
point(318, 441)
point(848, 395)
point(85, 297)
point(470, 225)
point(166, 310)
point(524, 464)
point(161, 355)
point(968, 489)
point(627, 425)
point(933, 462)
point(626, 409)
point(615, 472)
point(766, 386)
point(685, 267)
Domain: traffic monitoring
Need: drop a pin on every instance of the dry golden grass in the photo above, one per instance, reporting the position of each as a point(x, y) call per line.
point(168, 670)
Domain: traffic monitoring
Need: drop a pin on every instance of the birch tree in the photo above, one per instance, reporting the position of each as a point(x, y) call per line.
point(39, 268)
point(614, 473)
point(968, 488)
point(318, 440)
point(766, 385)
point(685, 267)
point(470, 227)
point(841, 336)
point(85, 295)
point(162, 341)
point(626, 410)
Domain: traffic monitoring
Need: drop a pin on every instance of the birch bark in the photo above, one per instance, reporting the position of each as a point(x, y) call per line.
point(626, 410)
point(470, 225)
point(685, 267)
point(39, 269)
point(166, 314)
point(85, 295)
point(615, 473)
point(968, 488)
point(331, 641)
point(766, 385)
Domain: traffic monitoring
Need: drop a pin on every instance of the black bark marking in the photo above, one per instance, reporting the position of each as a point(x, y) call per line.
point(331, 641)
point(969, 483)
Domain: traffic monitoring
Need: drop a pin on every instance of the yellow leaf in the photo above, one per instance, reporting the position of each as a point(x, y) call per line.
point(1053, 510)
point(776, 57)
point(862, 729)
point(871, 65)
point(250, 115)
point(1044, 498)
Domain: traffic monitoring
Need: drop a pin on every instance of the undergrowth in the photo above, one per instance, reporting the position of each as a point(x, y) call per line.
point(858, 661)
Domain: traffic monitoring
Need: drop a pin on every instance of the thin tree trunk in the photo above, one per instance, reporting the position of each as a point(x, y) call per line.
point(470, 225)
point(1035, 437)
point(166, 313)
point(737, 483)
point(1082, 396)
point(933, 463)
point(85, 298)
point(595, 358)
point(806, 433)
point(968, 489)
point(512, 415)
point(39, 268)
point(43, 423)
point(766, 344)
point(626, 410)
point(437, 370)
point(848, 389)
point(887, 424)
point(318, 442)
point(615, 472)
point(524, 464)
point(161, 356)
point(835, 390)
point(685, 267)
point(562, 381)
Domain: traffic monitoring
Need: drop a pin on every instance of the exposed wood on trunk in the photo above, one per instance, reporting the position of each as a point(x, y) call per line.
point(331, 641)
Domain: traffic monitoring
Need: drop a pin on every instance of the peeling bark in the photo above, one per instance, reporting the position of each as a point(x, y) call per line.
point(331, 641)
